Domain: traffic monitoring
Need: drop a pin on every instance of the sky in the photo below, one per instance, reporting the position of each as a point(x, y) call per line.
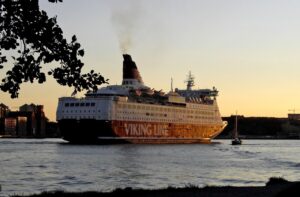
point(249, 50)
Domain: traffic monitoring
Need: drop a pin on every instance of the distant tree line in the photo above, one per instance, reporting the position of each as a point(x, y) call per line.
point(255, 126)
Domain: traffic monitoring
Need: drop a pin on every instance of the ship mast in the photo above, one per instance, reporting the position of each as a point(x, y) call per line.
point(190, 81)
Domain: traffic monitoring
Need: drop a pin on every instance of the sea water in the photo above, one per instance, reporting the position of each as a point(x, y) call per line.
point(34, 165)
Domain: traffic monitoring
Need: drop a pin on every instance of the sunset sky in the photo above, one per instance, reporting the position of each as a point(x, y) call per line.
point(249, 50)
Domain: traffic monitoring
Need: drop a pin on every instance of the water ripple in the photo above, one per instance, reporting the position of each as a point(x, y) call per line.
point(31, 166)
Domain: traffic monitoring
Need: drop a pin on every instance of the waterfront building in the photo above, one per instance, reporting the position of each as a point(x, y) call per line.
point(38, 119)
point(294, 116)
point(29, 121)
point(3, 111)
point(18, 124)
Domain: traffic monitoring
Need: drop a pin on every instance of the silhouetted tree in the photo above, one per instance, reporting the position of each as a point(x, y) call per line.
point(36, 39)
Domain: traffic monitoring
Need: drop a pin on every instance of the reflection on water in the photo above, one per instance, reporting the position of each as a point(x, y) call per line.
point(31, 166)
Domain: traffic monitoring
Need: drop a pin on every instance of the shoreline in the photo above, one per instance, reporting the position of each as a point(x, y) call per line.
point(275, 187)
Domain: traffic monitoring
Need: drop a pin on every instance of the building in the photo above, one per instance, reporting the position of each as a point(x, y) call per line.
point(294, 116)
point(29, 121)
point(18, 124)
point(294, 119)
point(39, 119)
point(3, 111)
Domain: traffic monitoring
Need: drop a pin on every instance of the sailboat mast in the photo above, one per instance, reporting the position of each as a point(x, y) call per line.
point(236, 140)
point(235, 130)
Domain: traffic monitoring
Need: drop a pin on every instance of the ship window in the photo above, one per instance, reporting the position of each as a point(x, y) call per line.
point(76, 104)
point(87, 104)
point(67, 104)
point(81, 104)
point(72, 104)
point(92, 104)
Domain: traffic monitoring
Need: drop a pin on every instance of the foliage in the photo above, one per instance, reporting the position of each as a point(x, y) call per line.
point(37, 40)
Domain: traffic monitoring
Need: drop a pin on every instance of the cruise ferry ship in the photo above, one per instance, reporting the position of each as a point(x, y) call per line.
point(135, 113)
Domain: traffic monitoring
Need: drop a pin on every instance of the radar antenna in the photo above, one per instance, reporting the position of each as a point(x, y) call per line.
point(190, 81)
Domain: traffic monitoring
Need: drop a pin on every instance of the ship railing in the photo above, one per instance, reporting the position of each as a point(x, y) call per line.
point(200, 101)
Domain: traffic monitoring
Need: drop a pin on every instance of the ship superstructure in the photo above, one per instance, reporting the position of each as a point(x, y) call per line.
point(134, 113)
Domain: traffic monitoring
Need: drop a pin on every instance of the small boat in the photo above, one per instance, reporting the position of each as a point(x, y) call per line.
point(236, 140)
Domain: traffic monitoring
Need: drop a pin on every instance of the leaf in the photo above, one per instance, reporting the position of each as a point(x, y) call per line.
point(81, 52)
point(74, 38)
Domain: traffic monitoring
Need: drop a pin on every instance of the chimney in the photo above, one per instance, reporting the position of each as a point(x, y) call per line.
point(130, 70)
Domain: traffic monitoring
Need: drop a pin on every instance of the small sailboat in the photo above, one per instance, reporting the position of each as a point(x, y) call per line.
point(236, 140)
